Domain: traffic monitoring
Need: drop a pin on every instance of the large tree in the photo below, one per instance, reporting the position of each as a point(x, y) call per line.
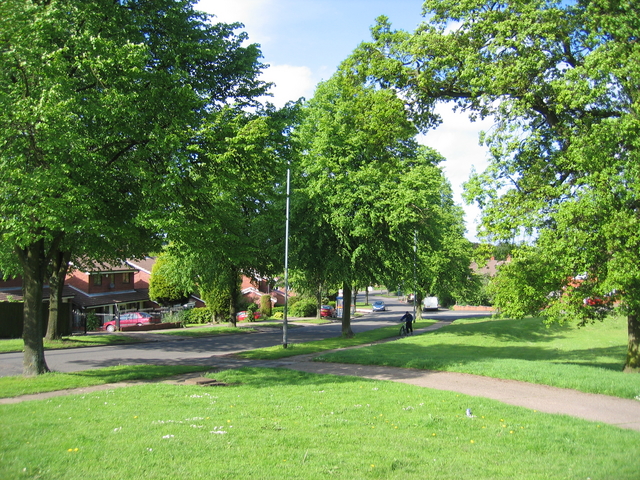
point(99, 104)
point(561, 81)
point(363, 188)
point(235, 225)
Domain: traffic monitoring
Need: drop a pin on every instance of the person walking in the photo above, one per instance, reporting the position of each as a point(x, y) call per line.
point(408, 319)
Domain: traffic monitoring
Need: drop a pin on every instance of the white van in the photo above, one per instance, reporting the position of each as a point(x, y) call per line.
point(430, 303)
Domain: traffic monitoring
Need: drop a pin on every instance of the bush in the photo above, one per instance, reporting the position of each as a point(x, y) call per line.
point(293, 300)
point(174, 317)
point(265, 305)
point(278, 315)
point(92, 321)
point(252, 308)
point(275, 310)
point(306, 307)
point(197, 316)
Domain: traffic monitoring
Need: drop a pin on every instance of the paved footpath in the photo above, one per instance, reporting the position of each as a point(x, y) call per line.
point(621, 412)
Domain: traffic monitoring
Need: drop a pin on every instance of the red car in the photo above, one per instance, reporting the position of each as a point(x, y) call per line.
point(131, 319)
point(242, 316)
point(327, 311)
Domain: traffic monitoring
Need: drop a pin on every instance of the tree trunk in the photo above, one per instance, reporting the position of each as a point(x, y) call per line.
point(346, 310)
point(633, 350)
point(319, 299)
point(234, 290)
point(56, 283)
point(34, 266)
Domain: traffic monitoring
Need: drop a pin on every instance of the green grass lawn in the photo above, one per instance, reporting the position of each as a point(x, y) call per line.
point(18, 385)
point(275, 352)
point(205, 331)
point(589, 359)
point(17, 344)
point(275, 423)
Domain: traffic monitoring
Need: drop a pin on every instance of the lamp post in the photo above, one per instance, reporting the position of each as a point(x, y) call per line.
point(415, 255)
point(286, 264)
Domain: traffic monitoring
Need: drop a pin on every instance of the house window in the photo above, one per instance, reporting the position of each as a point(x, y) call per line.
point(126, 277)
point(97, 279)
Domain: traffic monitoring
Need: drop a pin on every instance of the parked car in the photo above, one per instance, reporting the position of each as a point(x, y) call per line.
point(131, 319)
point(327, 311)
point(378, 306)
point(242, 316)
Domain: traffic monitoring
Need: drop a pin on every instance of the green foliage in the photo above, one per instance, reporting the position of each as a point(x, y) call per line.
point(366, 194)
point(266, 305)
point(252, 308)
point(305, 307)
point(93, 322)
point(560, 80)
point(161, 287)
point(278, 315)
point(198, 315)
point(102, 114)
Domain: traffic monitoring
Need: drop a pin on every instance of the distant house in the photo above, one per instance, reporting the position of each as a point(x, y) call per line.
point(252, 290)
point(490, 268)
point(109, 288)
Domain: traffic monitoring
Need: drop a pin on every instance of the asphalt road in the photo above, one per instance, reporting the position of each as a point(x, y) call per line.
point(171, 350)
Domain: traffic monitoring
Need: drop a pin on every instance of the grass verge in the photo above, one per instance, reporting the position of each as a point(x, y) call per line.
point(275, 352)
point(17, 344)
point(589, 359)
point(283, 424)
point(50, 382)
point(205, 331)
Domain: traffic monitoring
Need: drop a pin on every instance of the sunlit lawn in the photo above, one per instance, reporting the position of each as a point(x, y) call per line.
point(588, 359)
point(205, 331)
point(273, 424)
point(270, 353)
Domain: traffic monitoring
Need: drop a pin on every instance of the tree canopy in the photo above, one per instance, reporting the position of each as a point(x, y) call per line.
point(560, 79)
point(100, 105)
point(363, 188)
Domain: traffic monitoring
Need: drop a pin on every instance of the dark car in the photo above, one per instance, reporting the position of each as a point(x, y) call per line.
point(327, 311)
point(131, 319)
point(379, 306)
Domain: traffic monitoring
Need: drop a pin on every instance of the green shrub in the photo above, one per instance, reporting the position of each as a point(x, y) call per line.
point(174, 317)
point(278, 315)
point(92, 321)
point(265, 305)
point(293, 300)
point(252, 308)
point(197, 315)
point(275, 310)
point(306, 307)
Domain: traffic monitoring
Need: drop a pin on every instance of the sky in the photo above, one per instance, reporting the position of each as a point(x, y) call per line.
point(304, 42)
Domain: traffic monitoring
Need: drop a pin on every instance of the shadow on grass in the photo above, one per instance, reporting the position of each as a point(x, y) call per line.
point(526, 329)
point(259, 377)
point(442, 356)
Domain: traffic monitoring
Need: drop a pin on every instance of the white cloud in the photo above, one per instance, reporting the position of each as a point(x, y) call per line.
point(290, 83)
point(254, 14)
point(457, 139)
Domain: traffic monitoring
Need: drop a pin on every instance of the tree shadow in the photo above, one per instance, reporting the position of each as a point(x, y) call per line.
point(438, 356)
point(524, 330)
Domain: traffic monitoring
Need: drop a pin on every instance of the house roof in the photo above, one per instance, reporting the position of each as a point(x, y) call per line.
point(94, 300)
point(14, 294)
point(105, 268)
point(144, 265)
point(490, 268)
